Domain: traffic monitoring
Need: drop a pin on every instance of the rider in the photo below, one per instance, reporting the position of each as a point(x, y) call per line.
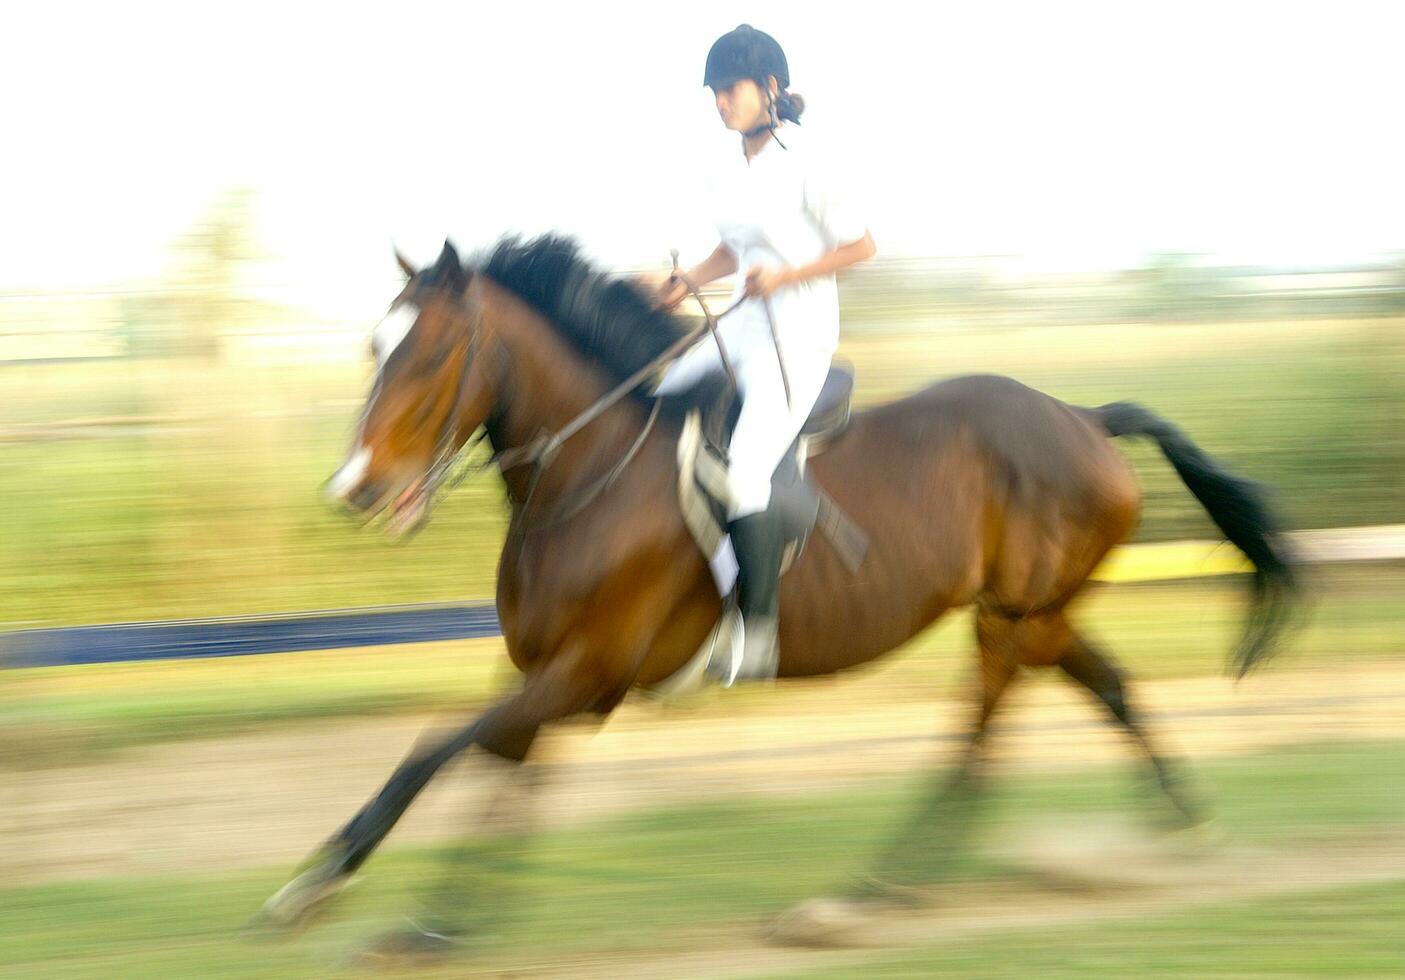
point(780, 219)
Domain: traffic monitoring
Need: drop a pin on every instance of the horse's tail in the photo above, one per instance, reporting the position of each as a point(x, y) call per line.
point(1239, 508)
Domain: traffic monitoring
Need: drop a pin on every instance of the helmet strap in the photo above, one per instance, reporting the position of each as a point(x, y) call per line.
point(772, 122)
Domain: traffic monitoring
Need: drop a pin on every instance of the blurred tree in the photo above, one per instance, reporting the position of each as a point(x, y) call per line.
point(201, 297)
point(1169, 287)
point(1394, 299)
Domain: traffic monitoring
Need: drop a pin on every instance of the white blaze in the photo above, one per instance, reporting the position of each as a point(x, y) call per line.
point(345, 480)
point(391, 331)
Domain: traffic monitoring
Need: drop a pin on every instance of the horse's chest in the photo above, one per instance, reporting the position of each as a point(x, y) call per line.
point(541, 598)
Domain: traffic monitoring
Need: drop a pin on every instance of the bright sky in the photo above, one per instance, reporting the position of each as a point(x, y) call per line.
point(1078, 134)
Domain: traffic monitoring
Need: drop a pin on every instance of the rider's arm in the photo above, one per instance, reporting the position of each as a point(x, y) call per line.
point(842, 228)
point(722, 262)
point(834, 260)
point(831, 202)
point(763, 281)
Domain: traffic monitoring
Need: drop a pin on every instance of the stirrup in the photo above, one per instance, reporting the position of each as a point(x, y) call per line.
point(754, 652)
point(725, 661)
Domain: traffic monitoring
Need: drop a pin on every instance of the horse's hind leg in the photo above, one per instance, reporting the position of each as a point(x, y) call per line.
point(1099, 675)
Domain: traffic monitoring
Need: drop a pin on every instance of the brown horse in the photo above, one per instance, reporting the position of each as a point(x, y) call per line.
point(977, 490)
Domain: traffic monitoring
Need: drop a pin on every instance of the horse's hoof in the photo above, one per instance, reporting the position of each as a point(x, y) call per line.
point(877, 893)
point(824, 922)
point(415, 943)
point(296, 902)
point(1198, 838)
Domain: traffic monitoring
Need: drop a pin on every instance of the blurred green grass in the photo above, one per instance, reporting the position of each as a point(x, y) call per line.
point(192, 488)
point(66, 714)
point(1337, 932)
point(653, 882)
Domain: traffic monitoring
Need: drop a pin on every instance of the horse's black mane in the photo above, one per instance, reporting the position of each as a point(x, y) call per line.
point(608, 319)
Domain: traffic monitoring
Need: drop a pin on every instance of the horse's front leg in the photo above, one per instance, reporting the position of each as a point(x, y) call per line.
point(481, 885)
point(565, 685)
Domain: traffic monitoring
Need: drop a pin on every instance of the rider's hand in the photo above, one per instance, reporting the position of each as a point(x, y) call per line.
point(666, 290)
point(763, 281)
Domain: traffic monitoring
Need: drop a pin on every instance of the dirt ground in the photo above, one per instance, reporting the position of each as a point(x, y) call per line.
point(260, 799)
point(1152, 878)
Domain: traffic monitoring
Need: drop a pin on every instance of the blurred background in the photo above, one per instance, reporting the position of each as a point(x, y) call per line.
point(1193, 206)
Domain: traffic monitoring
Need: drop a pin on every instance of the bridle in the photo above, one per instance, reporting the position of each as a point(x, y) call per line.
point(543, 450)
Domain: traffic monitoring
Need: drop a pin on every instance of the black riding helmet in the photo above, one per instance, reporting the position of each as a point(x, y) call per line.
point(745, 53)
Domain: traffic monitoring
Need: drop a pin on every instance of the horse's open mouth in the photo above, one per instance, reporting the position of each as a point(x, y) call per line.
point(410, 509)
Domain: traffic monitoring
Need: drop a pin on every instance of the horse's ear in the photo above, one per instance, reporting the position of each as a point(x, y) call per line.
point(448, 269)
point(405, 265)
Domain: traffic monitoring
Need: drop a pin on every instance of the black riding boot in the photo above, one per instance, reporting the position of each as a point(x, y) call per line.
point(758, 543)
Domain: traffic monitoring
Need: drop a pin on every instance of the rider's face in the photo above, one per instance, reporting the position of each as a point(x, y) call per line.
point(742, 106)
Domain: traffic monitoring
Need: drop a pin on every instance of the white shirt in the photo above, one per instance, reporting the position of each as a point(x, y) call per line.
point(782, 208)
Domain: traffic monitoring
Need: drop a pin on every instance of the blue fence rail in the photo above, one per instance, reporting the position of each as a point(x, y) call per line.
point(244, 635)
point(424, 623)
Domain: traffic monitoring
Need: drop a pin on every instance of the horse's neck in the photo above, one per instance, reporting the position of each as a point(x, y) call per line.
point(546, 384)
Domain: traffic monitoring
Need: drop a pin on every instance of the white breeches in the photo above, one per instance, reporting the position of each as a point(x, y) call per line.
point(766, 426)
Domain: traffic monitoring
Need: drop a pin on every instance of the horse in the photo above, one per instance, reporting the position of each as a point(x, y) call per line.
point(974, 491)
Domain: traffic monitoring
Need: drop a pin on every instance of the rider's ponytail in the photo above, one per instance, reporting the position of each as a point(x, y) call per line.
point(789, 106)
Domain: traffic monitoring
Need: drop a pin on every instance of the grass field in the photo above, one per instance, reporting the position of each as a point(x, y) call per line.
point(189, 489)
point(192, 488)
point(646, 887)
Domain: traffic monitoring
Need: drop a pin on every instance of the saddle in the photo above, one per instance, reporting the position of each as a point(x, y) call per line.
point(798, 504)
